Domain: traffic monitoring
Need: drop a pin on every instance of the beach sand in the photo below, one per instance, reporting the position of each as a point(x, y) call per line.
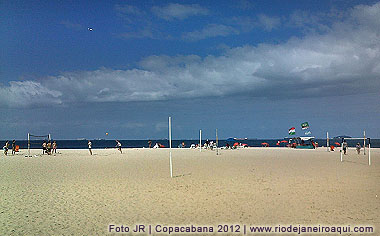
point(75, 193)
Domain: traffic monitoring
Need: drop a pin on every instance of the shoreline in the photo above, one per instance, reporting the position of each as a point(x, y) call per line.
point(208, 150)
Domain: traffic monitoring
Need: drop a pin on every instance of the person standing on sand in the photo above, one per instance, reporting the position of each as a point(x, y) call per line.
point(13, 147)
point(150, 143)
point(345, 147)
point(43, 147)
point(54, 147)
point(89, 146)
point(118, 145)
point(48, 148)
point(5, 148)
point(358, 147)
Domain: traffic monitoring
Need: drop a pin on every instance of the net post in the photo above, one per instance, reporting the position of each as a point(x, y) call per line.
point(170, 147)
point(369, 152)
point(364, 143)
point(200, 140)
point(328, 141)
point(49, 137)
point(216, 134)
point(341, 151)
point(28, 144)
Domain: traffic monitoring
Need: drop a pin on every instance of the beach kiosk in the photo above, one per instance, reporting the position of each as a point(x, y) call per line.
point(302, 142)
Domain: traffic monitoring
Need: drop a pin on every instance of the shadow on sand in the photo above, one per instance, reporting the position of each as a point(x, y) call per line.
point(178, 176)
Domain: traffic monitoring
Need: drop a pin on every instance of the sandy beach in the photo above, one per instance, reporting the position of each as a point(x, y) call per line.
point(78, 194)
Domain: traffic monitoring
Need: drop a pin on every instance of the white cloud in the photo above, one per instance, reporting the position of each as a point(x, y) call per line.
point(26, 93)
point(367, 16)
point(268, 23)
point(130, 10)
point(244, 24)
point(210, 31)
point(344, 60)
point(313, 22)
point(179, 11)
point(261, 21)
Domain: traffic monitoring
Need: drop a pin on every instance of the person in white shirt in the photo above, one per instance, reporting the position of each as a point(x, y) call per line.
point(89, 146)
point(118, 145)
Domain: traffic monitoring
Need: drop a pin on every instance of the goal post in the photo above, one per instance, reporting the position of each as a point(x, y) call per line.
point(170, 148)
point(217, 142)
point(28, 144)
point(327, 141)
point(365, 140)
point(35, 141)
point(200, 140)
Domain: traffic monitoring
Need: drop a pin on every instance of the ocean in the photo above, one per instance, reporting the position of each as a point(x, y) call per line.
point(102, 144)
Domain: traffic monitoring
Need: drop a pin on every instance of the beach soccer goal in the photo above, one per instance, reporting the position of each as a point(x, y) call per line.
point(365, 142)
point(35, 141)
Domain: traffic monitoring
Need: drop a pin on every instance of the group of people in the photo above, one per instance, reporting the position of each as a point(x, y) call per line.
point(182, 145)
point(157, 145)
point(118, 145)
point(6, 147)
point(345, 147)
point(209, 144)
point(49, 147)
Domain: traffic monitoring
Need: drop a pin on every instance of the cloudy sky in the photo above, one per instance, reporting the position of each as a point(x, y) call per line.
point(249, 68)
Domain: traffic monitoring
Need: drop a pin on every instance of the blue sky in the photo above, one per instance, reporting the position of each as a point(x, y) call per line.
point(249, 68)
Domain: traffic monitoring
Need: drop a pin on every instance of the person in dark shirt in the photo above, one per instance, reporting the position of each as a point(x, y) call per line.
point(345, 147)
point(13, 147)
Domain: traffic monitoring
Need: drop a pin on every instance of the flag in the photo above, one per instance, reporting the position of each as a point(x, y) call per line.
point(292, 131)
point(308, 132)
point(305, 125)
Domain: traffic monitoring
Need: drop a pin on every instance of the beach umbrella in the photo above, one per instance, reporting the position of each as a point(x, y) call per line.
point(284, 142)
point(337, 143)
point(265, 144)
point(236, 144)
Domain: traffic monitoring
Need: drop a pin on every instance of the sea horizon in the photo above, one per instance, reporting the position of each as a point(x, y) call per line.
point(143, 143)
